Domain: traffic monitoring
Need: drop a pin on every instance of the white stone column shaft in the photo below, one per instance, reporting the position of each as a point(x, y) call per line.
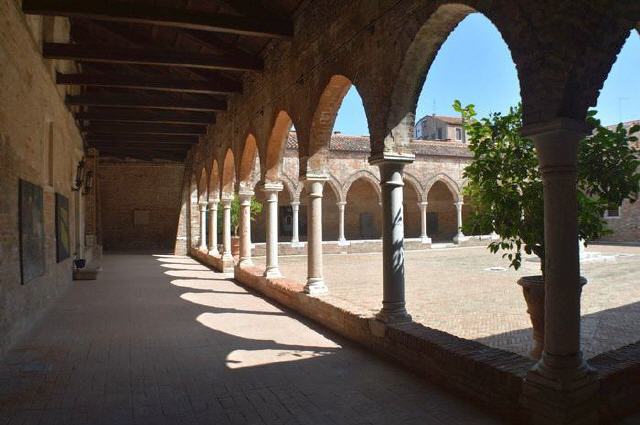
point(226, 229)
point(245, 228)
point(315, 280)
point(271, 190)
point(459, 237)
point(213, 228)
point(295, 236)
point(393, 301)
point(203, 226)
point(424, 237)
point(341, 208)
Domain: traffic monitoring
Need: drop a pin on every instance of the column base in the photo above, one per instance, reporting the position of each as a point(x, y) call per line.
point(425, 240)
point(393, 313)
point(226, 256)
point(343, 242)
point(563, 395)
point(315, 286)
point(272, 272)
point(244, 262)
point(214, 253)
point(297, 244)
point(203, 248)
point(459, 238)
point(494, 236)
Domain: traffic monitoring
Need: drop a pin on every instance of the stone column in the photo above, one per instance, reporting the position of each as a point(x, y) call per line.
point(315, 281)
point(393, 301)
point(271, 190)
point(561, 388)
point(424, 237)
point(213, 228)
point(295, 237)
point(341, 239)
point(226, 229)
point(203, 226)
point(459, 237)
point(245, 228)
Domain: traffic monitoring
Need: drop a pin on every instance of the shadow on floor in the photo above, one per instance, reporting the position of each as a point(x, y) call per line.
point(147, 344)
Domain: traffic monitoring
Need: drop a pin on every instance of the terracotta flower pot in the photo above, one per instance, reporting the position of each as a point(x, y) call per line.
point(533, 290)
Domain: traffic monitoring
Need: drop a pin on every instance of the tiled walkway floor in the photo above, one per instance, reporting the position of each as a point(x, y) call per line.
point(455, 290)
point(163, 340)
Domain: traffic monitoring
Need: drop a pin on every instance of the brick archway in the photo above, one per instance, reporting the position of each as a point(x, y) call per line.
point(228, 174)
point(276, 146)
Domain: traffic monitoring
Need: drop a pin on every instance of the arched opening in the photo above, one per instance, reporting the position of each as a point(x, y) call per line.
point(492, 86)
point(214, 181)
point(619, 103)
point(362, 217)
point(277, 145)
point(249, 172)
point(331, 106)
point(442, 222)
point(411, 209)
point(203, 187)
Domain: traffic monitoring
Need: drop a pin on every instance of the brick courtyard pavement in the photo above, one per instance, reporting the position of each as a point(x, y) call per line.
point(453, 290)
point(163, 340)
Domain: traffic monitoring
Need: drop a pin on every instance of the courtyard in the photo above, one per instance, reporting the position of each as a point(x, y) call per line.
point(471, 293)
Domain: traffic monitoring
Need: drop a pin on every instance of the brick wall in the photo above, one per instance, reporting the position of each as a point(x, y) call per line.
point(126, 187)
point(626, 227)
point(40, 143)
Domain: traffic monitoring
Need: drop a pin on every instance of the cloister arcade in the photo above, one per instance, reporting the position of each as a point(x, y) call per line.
point(247, 106)
point(555, 98)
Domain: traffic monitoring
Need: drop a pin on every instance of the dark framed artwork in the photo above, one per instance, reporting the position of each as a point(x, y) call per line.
point(31, 219)
point(63, 245)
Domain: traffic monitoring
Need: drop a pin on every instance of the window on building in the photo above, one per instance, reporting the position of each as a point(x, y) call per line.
point(458, 134)
point(613, 211)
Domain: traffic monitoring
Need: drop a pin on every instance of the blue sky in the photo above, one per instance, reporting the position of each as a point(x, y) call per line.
point(475, 66)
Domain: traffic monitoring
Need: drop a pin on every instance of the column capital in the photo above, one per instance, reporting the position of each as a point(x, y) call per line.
point(214, 202)
point(458, 204)
point(423, 204)
point(295, 204)
point(271, 186)
point(376, 159)
point(203, 206)
point(245, 195)
point(314, 177)
point(557, 143)
point(226, 200)
point(341, 203)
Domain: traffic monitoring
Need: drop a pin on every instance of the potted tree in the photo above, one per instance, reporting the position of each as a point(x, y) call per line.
point(504, 183)
point(256, 208)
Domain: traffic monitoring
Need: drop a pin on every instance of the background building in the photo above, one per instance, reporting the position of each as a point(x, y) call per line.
point(440, 127)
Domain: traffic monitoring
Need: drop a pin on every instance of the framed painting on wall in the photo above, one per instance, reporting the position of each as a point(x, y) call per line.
point(31, 221)
point(63, 244)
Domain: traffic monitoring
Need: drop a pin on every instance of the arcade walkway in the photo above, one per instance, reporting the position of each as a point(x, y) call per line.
point(164, 340)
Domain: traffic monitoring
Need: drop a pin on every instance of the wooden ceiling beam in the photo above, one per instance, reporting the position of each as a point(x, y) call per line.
point(142, 116)
point(141, 138)
point(144, 155)
point(131, 12)
point(144, 128)
point(146, 102)
point(149, 83)
point(148, 56)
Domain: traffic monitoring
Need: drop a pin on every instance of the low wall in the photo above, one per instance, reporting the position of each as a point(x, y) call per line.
point(215, 261)
point(619, 372)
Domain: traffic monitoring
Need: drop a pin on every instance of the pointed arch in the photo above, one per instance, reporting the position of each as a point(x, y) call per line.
point(366, 175)
point(290, 188)
point(335, 186)
point(451, 184)
point(427, 40)
point(324, 118)
point(411, 180)
point(228, 174)
point(249, 163)
point(276, 146)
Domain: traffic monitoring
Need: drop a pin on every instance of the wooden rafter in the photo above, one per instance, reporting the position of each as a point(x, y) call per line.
point(146, 102)
point(150, 83)
point(146, 14)
point(142, 116)
point(144, 128)
point(140, 56)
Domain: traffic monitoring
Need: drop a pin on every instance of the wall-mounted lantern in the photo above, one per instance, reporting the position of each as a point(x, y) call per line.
point(80, 175)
